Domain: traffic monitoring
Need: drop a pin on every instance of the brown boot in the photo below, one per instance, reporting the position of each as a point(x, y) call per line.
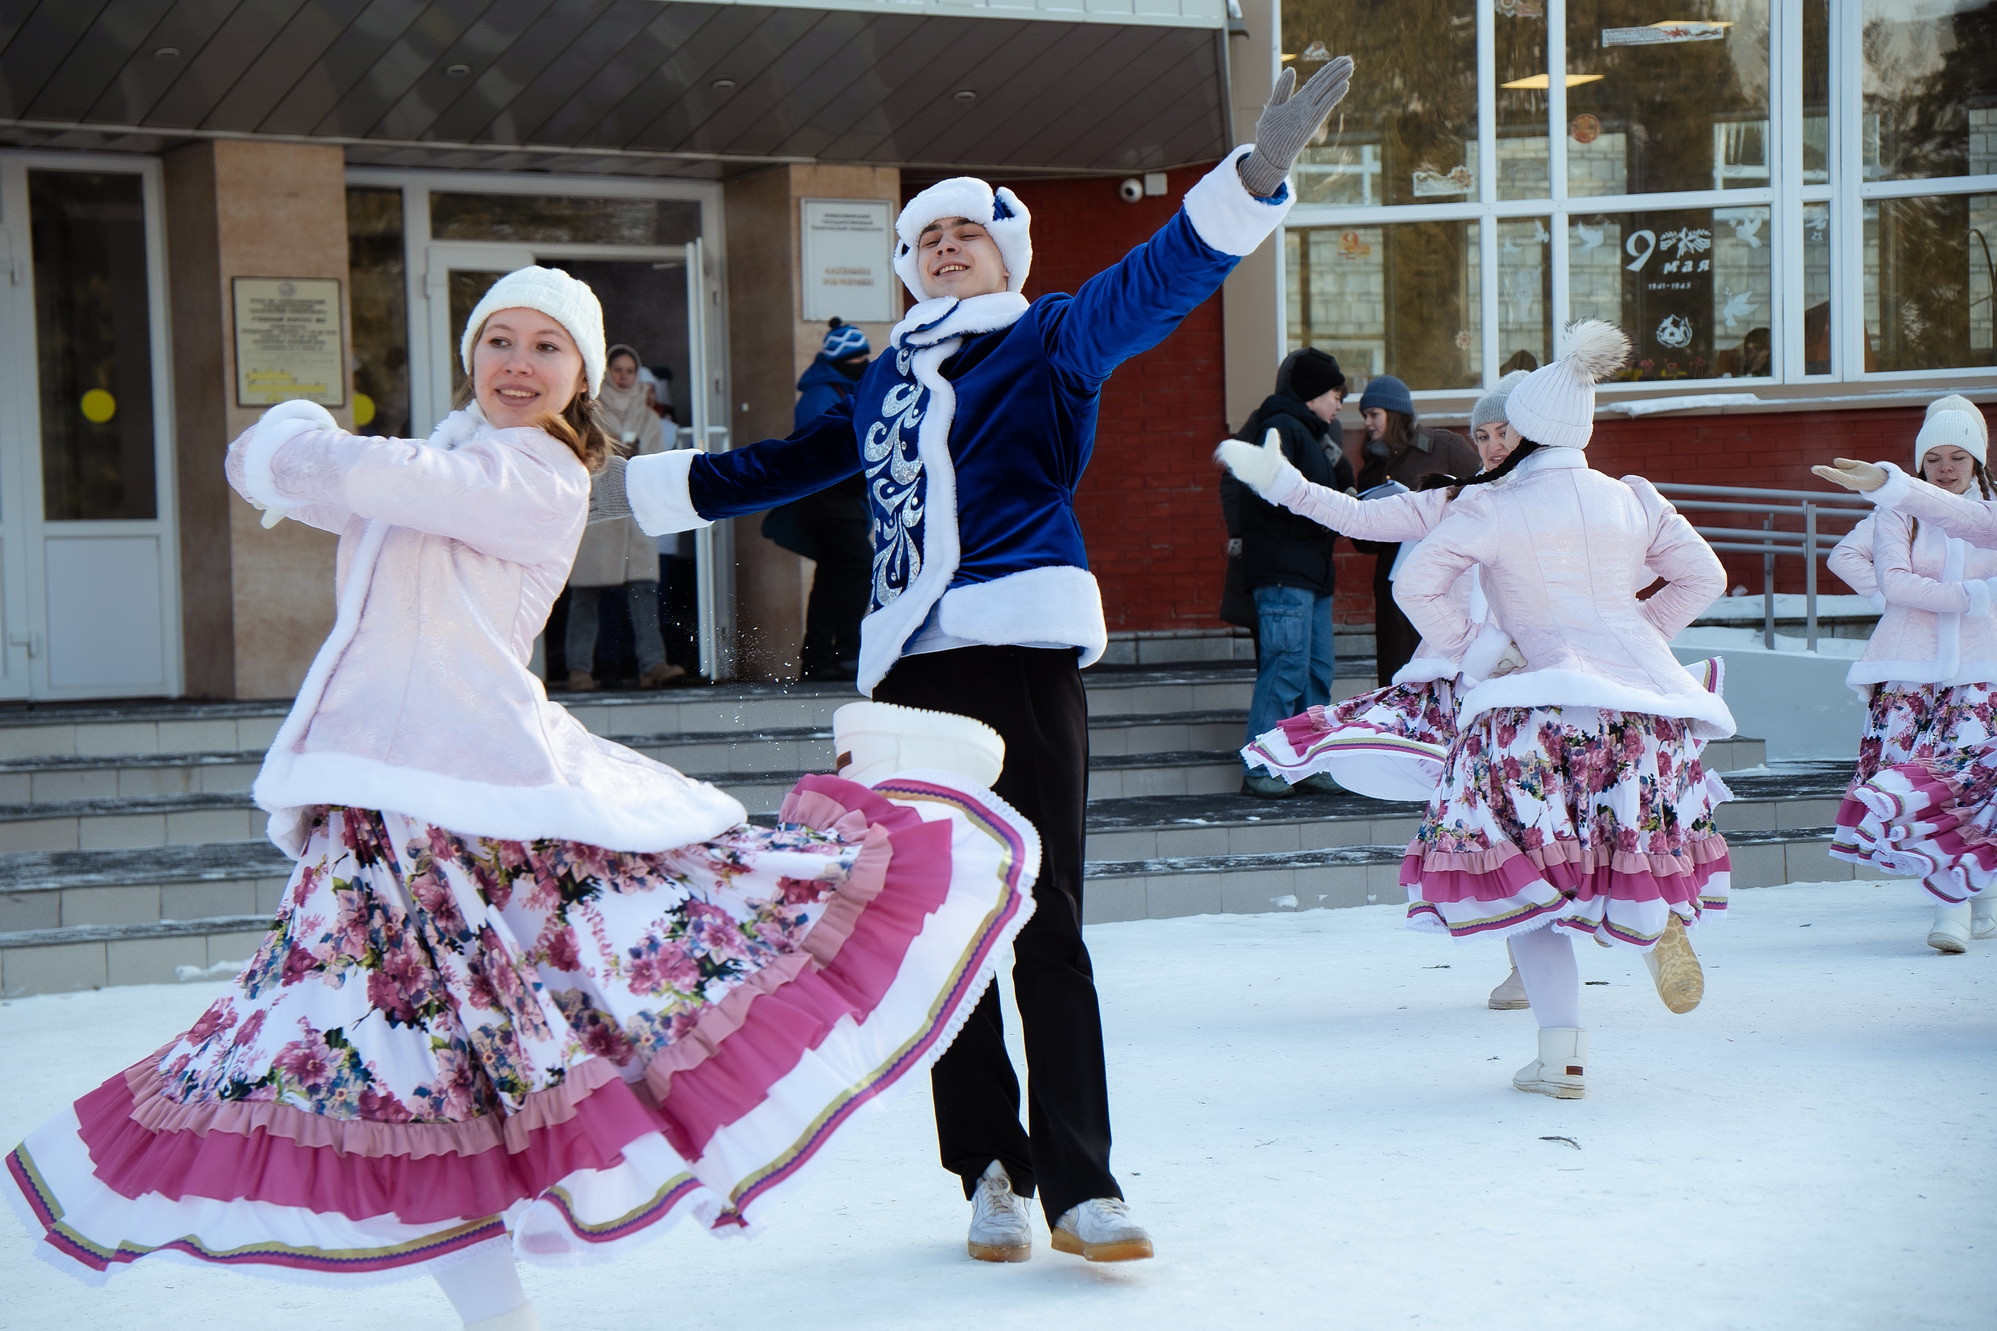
point(581, 681)
point(660, 675)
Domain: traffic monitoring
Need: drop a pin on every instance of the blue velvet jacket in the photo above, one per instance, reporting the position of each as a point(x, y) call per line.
point(973, 431)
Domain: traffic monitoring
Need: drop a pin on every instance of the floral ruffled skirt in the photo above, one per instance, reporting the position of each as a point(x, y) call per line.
point(1388, 744)
point(1934, 819)
point(445, 1040)
point(1595, 820)
point(1938, 727)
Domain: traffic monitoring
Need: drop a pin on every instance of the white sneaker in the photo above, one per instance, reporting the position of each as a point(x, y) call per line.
point(1001, 1230)
point(1950, 934)
point(1983, 915)
point(1101, 1230)
point(1563, 1054)
point(1509, 996)
point(875, 740)
point(1675, 970)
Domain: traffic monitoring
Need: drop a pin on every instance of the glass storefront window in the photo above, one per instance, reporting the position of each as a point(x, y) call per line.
point(1930, 88)
point(1665, 104)
point(1407, 131)
point(93, 331)
point(1929, 275)
point(1400, 300)
point(563, 220)
point(380, 311)
point(1691, 286)
point(1525, 294)
point(1816, 92)
point(1518, 32)
point(1817, 288)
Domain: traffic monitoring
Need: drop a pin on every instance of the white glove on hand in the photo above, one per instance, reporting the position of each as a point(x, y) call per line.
point(1257, 467)
point(294, 416)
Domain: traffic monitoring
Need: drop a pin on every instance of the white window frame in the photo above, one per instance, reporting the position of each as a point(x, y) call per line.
point(1785, 198)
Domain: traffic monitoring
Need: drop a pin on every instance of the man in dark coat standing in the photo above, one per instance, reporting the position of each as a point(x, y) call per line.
point(1286, 558)
point(1399, 450)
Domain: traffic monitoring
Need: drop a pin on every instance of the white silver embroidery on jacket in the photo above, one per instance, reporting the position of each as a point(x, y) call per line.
point(895, 486)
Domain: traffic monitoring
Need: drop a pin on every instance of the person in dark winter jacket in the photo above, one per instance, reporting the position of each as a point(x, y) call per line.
point(830, 527)
point(1286, 560)
point(1399, 450)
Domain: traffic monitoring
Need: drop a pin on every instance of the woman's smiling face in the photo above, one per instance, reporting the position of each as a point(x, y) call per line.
point(524, 366)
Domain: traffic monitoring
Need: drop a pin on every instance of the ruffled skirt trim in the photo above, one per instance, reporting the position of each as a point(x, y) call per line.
point(1387, 744)
point(1922, 820)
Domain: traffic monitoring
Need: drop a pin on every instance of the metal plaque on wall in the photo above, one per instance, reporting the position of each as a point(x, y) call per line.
point(288, 342)
point(848, 261)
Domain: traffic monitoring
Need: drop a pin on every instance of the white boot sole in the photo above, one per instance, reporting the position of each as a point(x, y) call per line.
point(1947, 943)
point(1001, 1252)
point(1556, 1089)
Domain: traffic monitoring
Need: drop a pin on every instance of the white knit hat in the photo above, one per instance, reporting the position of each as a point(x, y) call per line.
point(1555, 405)
point(1953, 420)
point(567, 300)
point(1491, 406)
point(999, 212)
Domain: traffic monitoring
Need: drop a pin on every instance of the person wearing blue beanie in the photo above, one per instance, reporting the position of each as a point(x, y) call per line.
point(1387, 393)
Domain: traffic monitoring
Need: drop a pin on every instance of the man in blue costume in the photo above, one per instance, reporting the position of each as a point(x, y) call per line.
point(972, 431)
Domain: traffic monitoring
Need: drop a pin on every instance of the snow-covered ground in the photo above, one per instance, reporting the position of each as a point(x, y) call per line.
point(1315, 1118)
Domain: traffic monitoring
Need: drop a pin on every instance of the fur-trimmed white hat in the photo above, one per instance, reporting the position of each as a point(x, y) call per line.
point(565, 299)
point(999, 212)
point(1554, 406)
point(1953, 420)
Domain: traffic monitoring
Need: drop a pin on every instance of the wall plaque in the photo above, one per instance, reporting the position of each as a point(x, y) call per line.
point(849, 261)
point(288, 342)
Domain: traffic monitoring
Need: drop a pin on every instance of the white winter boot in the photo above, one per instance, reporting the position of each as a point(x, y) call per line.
point(1101, 1230)
point(1983, 915)
point(1563, 1054)
point(874, 740)
point(1950, 934)
point(1001, 1230)
point(1509, 996)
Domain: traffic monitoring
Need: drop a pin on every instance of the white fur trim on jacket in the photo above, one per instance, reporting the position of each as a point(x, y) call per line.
point(1572, 688)
point(1891, 494)
point(1057, 603)
point(999, 212)
point(1226, 215)
point(276, 426)
point(656, 488)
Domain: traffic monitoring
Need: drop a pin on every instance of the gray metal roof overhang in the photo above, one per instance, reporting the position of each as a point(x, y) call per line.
point(629, 87)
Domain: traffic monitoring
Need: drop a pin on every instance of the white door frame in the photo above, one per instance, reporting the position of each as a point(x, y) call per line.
point(24, 534)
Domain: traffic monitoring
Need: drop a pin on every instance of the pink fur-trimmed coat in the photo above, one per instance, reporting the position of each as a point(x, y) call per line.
point(1934, 584)
point(1564, 550)
point(452, 549)
point(1403, 519)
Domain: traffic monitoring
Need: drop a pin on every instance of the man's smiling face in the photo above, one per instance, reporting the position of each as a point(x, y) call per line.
point(959, 258)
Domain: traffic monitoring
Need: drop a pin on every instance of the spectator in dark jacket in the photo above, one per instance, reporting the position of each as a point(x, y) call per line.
point(1399, 450)
point(830, 527)
point(1286, 559)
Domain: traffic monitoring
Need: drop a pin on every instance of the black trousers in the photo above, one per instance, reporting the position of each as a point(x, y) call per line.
point(837, 525)
point(1394, 637)
point(1033, 697)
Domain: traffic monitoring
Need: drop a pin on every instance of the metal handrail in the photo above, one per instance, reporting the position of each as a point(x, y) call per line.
point(1806, 506)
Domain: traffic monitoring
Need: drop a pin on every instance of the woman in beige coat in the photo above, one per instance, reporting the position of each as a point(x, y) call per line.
point(617, 553)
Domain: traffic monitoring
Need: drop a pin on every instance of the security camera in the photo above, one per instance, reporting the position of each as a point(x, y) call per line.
point(1130, 189)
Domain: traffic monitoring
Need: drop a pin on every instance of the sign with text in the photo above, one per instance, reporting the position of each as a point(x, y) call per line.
point(849, 261)
point(288, 341)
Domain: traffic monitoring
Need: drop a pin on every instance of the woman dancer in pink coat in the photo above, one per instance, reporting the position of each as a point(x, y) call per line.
point(1930, 808)
point(1929, 673)
point(528, 991)
point(1572, 800)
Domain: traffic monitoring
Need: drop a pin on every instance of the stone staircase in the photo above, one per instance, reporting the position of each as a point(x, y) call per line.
point(130, 852)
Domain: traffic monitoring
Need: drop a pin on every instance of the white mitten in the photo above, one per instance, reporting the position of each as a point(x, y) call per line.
point(1260, 468)
point(274, 427)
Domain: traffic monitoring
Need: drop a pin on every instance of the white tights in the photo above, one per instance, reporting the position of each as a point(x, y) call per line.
point(1545, 958)
point(483, 1283)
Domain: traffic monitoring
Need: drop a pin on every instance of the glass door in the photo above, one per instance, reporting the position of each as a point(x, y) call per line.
point(457, 278)
point(88, 552)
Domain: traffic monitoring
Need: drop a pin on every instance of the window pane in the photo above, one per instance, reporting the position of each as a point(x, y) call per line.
point(1816, 288)
point(1398, 300)
point(1679, 103)
point(1930, 88)
point(1525, 294)
point(1691, 287)
point(381, 324)
point(561, 220)
point(93, 335)
point(1519, 38)
point(1928, 278)
point(1816, 92)
point(1404, 133)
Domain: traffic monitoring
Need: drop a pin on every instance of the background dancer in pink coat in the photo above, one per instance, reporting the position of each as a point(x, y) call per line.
point(1571, 800)
point(528, 990)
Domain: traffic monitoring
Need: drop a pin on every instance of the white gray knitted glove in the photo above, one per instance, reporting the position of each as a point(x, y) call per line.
point(606, 492)
point(1287, 124)
point(1259, 467)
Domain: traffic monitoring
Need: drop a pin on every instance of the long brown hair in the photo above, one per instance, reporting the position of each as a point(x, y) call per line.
point(579, 424)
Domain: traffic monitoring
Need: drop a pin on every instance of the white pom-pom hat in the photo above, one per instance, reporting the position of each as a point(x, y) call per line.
point(1554, 406)
point(1953, 420)
point(999, 212)
point(567, 300)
